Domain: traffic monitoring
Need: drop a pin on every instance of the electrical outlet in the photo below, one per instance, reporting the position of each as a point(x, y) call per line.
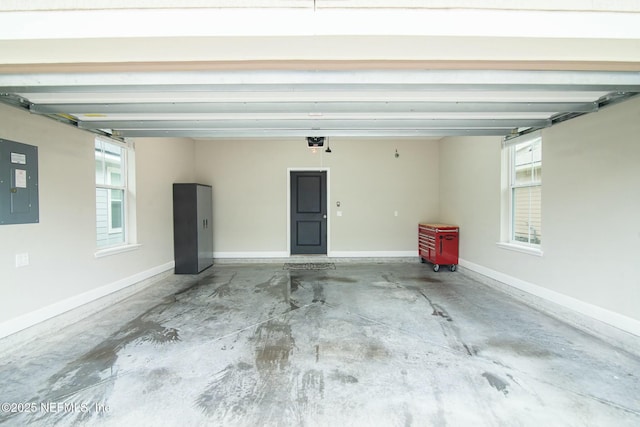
point(22, 260)
point(395, 213)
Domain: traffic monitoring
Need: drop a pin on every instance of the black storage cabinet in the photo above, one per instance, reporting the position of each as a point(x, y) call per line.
point(192, 232)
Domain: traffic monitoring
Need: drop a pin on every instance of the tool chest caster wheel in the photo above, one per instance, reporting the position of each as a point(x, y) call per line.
point(436, 267)
point(452, 267)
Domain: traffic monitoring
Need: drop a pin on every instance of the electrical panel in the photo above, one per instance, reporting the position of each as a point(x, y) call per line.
point(18, 183)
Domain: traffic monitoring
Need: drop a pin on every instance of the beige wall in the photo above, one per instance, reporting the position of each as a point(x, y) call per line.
point(470, 194)
point(159, 163)
point(61, 246)
point(590, 205)
point(249, 179)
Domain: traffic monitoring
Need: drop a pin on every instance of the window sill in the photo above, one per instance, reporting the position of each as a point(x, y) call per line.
point(101, 253)
point(530, 250)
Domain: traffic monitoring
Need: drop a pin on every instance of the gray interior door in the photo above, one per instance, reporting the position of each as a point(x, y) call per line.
point(309, 213)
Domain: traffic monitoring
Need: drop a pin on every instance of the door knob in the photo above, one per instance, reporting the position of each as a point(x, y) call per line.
point(324, 216)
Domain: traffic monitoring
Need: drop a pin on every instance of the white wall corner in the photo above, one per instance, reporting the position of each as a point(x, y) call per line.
point(63, 313)
point(605, 324)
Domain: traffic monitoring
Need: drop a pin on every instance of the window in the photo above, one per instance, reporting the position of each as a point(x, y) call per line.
point(115, 200)
point(522, 198)
point(112, 193)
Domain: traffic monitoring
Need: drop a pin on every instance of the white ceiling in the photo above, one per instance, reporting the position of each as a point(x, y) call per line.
point(324, 68)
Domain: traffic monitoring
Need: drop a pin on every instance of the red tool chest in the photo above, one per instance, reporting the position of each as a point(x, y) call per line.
point(438, 244)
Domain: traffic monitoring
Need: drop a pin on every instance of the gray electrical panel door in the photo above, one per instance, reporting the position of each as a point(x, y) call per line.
point(18, 183)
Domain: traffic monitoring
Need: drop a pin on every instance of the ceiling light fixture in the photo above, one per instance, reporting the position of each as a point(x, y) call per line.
point(315, 141)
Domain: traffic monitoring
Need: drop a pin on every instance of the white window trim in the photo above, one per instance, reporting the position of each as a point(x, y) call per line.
point(109, 200)
point(130, 225)
point(113, 250)
point(521, 247)
point(506, 211)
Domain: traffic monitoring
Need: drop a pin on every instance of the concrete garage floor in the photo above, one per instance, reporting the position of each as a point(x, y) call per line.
point(389, 344)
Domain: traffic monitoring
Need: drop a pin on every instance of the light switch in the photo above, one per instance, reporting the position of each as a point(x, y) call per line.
point(22, 260)
point(339, 213)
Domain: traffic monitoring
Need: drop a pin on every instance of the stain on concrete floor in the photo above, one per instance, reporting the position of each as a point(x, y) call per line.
point(364, 344)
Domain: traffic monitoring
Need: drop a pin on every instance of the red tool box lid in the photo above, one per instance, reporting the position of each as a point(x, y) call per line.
point(444, 227)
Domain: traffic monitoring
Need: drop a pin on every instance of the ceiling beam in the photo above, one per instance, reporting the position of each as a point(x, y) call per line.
point(282, 133)
point(312, 107)
point(355, 80)
point(316, 124)
point(183, 66)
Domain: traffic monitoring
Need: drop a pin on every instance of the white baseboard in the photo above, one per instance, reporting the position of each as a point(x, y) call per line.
point(87, 300)
point(372, 254)
point(244, 255)
point(332, 254)
point(616, 320)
